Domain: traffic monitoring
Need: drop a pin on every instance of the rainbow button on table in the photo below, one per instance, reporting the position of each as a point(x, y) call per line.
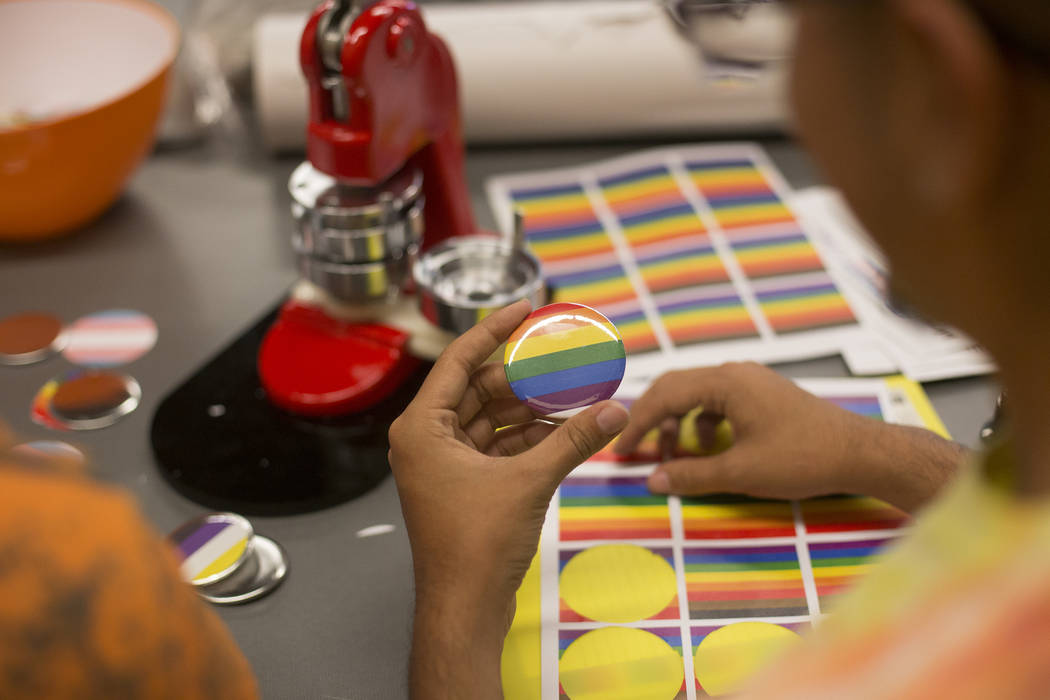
point(564, 356)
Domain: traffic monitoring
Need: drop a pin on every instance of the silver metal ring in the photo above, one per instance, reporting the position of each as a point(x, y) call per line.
point(466, 278)
point(359, 282)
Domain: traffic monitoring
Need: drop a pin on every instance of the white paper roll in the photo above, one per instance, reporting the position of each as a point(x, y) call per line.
point(546, 70)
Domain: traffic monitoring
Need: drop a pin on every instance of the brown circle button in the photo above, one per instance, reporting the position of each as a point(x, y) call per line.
point(95, 399)
point(30, 337)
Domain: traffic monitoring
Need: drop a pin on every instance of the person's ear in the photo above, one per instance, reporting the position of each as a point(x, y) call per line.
point(952, 113)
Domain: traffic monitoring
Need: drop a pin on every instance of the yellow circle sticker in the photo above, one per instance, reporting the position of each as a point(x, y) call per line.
point(731, 655)
point(617, 663)
point(618, 583)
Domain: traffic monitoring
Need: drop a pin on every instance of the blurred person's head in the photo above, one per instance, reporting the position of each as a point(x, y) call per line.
point(933, 117)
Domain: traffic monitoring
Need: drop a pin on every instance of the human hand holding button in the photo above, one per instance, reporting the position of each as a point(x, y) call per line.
point(476, 470)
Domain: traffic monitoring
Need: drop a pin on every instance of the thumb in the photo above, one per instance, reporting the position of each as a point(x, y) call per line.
point(578, 438)
point(700, 475)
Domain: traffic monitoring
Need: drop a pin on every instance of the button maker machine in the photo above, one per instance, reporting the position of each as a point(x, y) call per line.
point(293, 415)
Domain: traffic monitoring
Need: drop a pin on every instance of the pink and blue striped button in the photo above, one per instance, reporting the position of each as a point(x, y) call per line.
point(563, 357)
point(110, 338)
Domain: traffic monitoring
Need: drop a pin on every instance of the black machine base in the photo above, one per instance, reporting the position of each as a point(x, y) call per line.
point(221, 443)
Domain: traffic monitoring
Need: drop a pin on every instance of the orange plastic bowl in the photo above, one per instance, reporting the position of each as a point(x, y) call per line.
point(82, 85)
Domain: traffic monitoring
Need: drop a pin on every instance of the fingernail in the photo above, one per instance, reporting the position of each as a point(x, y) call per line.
point(612, 419)
point(659, 482)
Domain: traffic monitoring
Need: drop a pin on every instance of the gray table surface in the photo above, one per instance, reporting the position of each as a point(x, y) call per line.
point(200, 241)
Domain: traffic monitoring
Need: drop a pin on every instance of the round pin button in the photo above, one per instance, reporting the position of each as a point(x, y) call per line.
point(564, 356)
point(226, 561)
point(30, 337)
point(93, 399)
point(52, 454)
point(213, 547)
point(257, 577)
point(110, 338)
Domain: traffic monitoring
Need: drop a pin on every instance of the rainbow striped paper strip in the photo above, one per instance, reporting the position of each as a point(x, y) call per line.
point(764, 253)
point(868, 406)
point(567, 614)
point(744, 582)
point(641, 191)
point(837, 565)
point(633, 324)
point(564, 356)
point(560, 223)
point(662, 225)
point(565, 243)
point(738, 193)
point(594, 287)
point(671, 635)
point(554, 206)
point(722, 517)
point(570, 266)
point(698, 633)
point(665, 271)
point(699, 314)
point(611, 508)
point(803, 302)
point(850, 514)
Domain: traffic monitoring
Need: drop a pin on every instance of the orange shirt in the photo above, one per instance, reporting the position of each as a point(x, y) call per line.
point(91, 603)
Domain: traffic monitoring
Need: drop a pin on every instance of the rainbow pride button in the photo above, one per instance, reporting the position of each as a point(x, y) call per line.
point(564, 356)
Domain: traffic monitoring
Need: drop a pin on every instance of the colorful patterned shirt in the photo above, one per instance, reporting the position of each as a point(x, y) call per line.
point(960, 609)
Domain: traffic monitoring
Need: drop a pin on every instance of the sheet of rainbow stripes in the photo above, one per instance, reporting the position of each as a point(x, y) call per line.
point(675, 256)
point(740, 555)
point(738, 559)
point(678, 247)
point(735, 559)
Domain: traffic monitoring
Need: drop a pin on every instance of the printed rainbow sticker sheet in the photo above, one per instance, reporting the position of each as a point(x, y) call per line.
point(666, 597)
point(693, 252)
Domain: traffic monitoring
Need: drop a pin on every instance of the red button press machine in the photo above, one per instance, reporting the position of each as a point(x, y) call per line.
point(293, 415)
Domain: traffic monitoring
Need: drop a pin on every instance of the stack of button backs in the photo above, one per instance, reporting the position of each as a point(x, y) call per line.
point(356, 243)
point(225, 561)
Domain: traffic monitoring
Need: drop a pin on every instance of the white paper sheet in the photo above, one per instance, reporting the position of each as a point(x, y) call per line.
point(727, 241)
